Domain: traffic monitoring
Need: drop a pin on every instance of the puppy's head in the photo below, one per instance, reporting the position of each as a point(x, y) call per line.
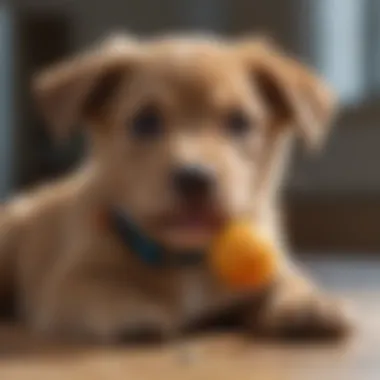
point(186, 132)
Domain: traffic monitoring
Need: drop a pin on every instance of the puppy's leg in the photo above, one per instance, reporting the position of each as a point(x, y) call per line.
point(295, 309)
point(101, 307)
point(292, 307)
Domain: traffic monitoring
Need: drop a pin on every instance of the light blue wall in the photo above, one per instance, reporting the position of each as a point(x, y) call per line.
point(6, 102)
point(340, 30)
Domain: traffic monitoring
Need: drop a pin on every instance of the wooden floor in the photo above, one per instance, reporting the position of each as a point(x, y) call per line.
point(219, 357)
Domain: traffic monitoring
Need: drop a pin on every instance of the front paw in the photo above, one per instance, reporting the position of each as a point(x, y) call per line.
point(302, 315)
point(104, 317)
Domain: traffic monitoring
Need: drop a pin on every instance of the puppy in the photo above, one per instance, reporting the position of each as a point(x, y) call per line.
point(184, 134)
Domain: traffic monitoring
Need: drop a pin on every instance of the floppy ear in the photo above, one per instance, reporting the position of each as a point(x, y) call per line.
point(77, 89)
point(292, 92)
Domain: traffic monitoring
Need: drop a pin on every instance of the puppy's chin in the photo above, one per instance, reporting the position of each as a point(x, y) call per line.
point(182, 240)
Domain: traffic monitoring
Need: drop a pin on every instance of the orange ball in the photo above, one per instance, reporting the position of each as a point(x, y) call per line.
point(243, 258)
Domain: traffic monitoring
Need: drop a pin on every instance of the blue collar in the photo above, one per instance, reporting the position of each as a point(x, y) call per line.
point(146, 249)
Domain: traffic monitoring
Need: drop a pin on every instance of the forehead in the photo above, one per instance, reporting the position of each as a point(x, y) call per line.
point(191, 70)
point(190, 54)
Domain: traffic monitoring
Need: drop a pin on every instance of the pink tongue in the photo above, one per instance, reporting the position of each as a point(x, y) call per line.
point(196, 221)
point(193, 221)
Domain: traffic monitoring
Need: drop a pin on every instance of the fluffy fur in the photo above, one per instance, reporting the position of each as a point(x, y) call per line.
point(70, 273)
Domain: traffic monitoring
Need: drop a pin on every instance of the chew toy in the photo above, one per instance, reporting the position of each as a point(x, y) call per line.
point(242, 258)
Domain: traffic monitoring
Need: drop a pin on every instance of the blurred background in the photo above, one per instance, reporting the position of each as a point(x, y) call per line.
point(332, 200)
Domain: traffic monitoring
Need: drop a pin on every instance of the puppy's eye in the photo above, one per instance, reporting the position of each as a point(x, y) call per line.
point(148, 123)
point(238, 123)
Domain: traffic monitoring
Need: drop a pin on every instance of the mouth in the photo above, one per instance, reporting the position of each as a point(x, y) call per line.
point(189, 228)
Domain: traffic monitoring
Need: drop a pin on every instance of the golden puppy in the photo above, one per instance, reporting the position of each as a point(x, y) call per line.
point(183, 135)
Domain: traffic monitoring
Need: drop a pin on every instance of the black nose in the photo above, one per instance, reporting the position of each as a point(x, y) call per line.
point(193, 181)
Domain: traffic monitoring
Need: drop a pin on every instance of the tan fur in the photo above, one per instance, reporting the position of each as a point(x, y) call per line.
point(72, 274)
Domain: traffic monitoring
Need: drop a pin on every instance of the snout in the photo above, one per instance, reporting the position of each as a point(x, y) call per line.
point(195, 218)
point(193, 183)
